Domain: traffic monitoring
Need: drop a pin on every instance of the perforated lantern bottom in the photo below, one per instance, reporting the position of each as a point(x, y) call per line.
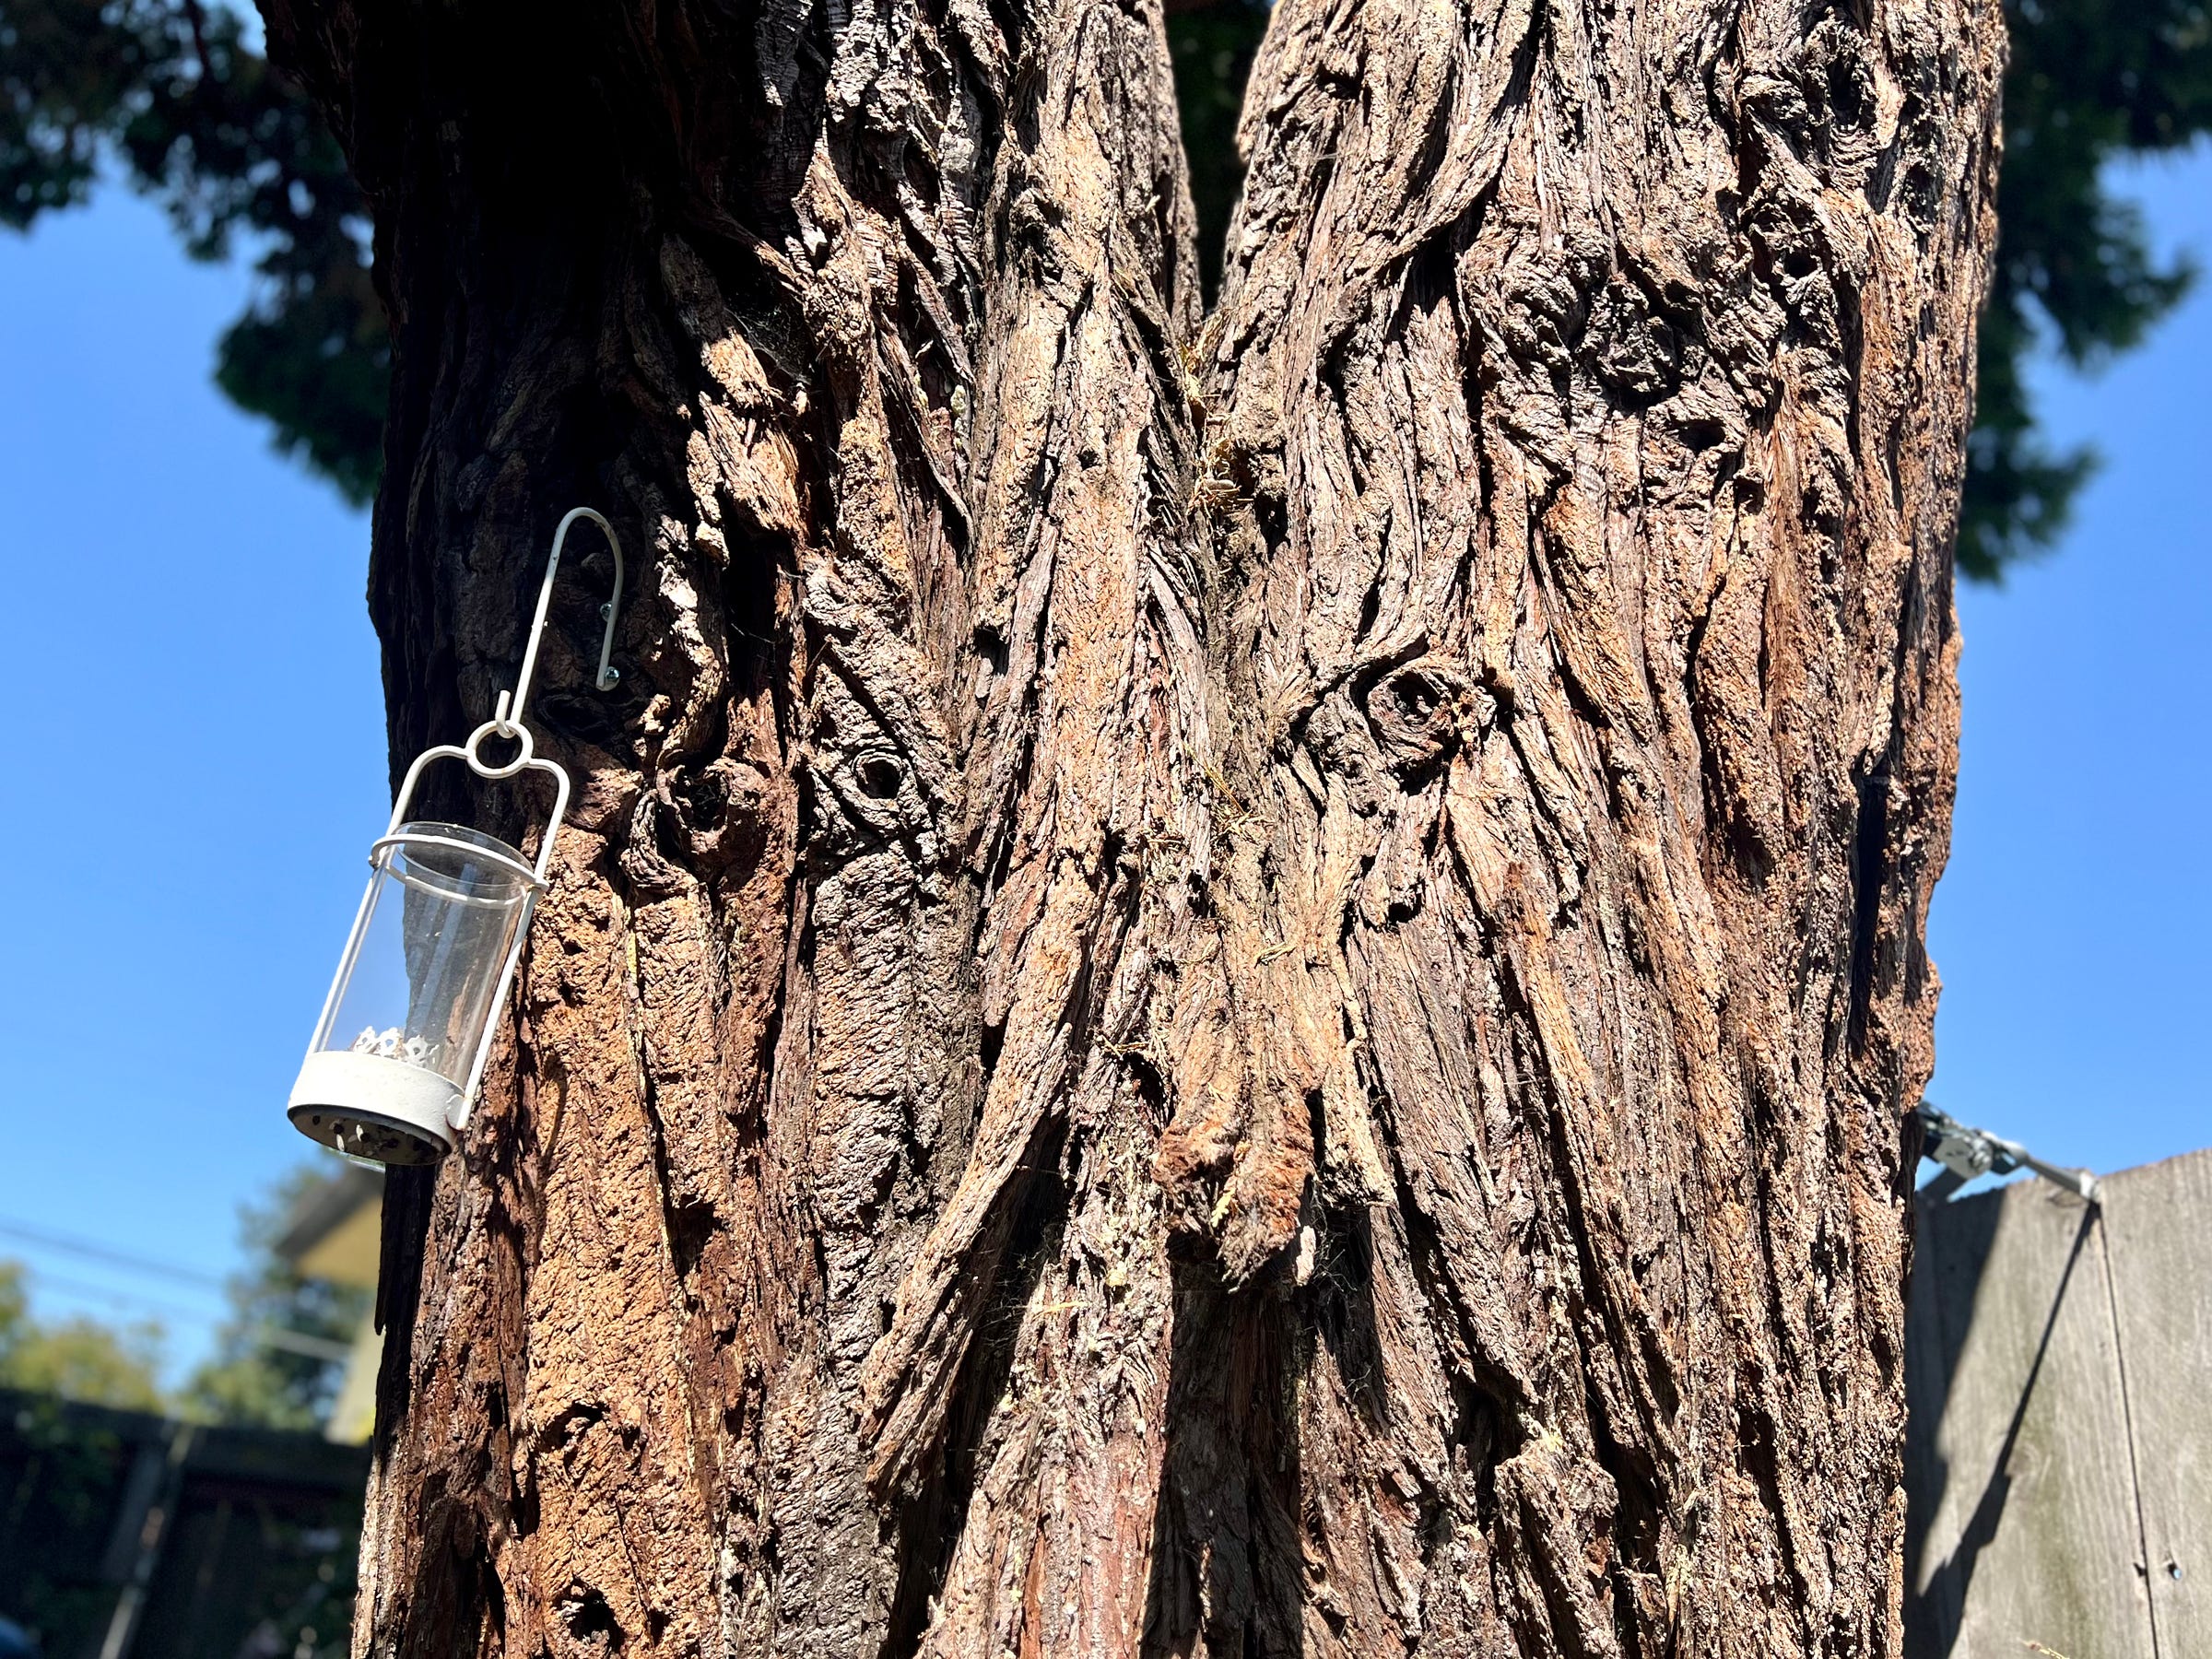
point(370, 1106)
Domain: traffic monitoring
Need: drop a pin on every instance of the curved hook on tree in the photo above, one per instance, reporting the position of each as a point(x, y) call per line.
point(508, 716)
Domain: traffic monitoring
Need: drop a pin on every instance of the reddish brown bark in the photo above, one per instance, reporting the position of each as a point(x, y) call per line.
point(1231, 988)
point(1589, 392)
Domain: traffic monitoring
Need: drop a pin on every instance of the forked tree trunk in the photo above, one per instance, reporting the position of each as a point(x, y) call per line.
point(1230, 988)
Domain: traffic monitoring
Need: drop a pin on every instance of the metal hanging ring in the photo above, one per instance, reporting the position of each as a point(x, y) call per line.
point(512, 733)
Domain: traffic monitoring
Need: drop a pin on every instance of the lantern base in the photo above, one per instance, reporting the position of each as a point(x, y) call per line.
point(367, 1106)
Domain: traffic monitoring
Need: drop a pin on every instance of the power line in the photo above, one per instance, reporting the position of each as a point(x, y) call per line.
point(93, 1252)
point(275, 1337)
point(299, 1342)
point(46, 1278)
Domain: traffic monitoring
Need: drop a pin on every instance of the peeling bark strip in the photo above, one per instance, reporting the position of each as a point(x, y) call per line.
point(1241, 989)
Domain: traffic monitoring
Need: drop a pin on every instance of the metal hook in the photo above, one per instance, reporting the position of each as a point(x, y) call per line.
point(508, 719)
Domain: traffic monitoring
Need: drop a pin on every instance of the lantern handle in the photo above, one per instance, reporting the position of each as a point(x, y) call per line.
point(468, 752)
point(508, 718)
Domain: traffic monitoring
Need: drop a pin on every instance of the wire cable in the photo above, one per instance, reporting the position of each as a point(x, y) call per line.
point(275, 1337)
point(93, 1252)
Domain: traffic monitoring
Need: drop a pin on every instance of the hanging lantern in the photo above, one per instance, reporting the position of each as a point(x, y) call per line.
point(399, 1054)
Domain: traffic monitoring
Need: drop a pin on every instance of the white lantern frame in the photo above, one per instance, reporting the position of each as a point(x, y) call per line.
point(381, 1113)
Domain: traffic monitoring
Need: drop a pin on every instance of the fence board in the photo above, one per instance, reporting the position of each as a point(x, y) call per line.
point(254, 1557)
point(2022, 1510)
point(2158, 1228)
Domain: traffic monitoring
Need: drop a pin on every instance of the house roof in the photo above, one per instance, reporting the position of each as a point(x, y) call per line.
point(333, 1231)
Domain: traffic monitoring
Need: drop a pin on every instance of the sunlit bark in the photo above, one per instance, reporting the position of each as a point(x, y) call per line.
point(1236, 986)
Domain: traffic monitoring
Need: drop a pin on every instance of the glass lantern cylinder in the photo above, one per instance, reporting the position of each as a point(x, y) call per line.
point(406, 1028)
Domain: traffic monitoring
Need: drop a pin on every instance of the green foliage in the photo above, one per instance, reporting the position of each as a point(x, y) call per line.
point(77, 1358)
point(174, 96)
point(249, 1380)
point(172, 93)
point(61, 1499)
point(2090, 81)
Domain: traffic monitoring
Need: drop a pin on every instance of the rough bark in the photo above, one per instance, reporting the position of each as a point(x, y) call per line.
point(1590, 388)
point(1230, 989)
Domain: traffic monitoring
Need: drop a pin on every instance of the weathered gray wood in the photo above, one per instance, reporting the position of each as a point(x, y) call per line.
point(2023, 1526)
point(2161, 1282)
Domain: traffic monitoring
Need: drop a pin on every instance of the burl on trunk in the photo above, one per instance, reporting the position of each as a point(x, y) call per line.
point(1237, 985)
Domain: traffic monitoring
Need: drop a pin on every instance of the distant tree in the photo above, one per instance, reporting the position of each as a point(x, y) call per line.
point(2091, 82)
point(174, 98)
point(252, 1377)
point(77, 1358)
point(174, 93)
point(273, 1365)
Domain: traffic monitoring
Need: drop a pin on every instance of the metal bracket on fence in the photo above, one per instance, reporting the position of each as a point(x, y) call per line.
point(1966, 1152)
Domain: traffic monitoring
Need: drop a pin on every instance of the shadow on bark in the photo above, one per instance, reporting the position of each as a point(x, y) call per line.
point(932, 1521)
point(1229, 1552)
point(406, 1224)
point(1225, 1554)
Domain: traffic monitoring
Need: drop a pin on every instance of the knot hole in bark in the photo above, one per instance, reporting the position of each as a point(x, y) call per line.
point(589, 1617)
point(1419, 713)
point(714, 817)
point(867, 786)
point(1636, 353)
point(881, 776)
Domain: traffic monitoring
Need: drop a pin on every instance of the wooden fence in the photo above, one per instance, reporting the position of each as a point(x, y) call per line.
point(2058, 1466)
point(129, 1537)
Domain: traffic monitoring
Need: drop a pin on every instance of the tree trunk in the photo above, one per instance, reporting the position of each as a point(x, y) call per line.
point(1230, 988)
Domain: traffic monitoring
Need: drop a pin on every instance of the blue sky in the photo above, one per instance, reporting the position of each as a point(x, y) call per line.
point(2069, 926)
point(197, 769)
